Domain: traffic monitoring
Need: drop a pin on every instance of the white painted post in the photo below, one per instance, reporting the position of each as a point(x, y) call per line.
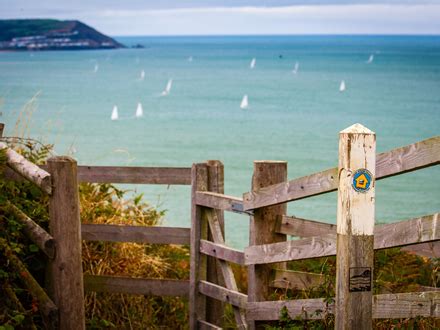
point(355, 226)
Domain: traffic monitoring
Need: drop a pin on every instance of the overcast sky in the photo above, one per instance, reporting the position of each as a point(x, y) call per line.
point(213, 17)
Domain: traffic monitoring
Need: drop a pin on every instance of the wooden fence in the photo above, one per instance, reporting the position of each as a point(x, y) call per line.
point(353, 240)
point(212, 284)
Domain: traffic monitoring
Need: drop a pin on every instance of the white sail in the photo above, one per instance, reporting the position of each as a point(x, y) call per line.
point(295, 69)
point(253, 62)
point(115, 115)
point(142, 77)
point(168, 88)
point(342, 86)
point(139, 111)
point(244, 102)
point(96, 68)
point(370, 59)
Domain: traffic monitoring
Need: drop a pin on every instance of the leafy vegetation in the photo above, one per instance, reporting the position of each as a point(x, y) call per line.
point(99, 204)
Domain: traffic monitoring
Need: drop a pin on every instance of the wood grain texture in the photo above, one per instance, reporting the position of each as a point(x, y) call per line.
point(219, 201)
point(397, 161)
point(429, 250)
point(406, 305)
point(355, 230)
point(222, 252)
point(291, 225)
point(215, 228)
point(135, 234)
point(27, 169)
point(422, 234)
point(218, 292)
point(262, 230)
point(289, 279)
point(399, 305)
point(66, 276)
point(413, 231)
point(33, 231)
point(140, 286)
point(215, 308)
point(198, 261)
point(409, 158)
point(311, 247)
point(310, 185)
point(302, 308)
point(135, 175)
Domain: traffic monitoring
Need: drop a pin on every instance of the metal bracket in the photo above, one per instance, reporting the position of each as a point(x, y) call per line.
point(238, 208)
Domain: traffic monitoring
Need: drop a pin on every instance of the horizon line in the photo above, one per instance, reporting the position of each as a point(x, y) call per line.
point(285, 35)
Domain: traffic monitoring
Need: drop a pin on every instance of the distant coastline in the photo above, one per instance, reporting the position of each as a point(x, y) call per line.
point(50, 34)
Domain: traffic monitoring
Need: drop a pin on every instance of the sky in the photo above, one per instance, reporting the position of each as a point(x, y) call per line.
point(237, 17)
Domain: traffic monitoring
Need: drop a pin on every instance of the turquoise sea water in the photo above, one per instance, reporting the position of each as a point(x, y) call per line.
point(290, 117)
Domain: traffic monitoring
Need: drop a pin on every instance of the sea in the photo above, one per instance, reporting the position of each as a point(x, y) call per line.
point(392, 86)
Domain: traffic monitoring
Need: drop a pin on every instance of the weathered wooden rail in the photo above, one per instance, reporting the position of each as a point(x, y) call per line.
point(212, 283)
point(352, 240)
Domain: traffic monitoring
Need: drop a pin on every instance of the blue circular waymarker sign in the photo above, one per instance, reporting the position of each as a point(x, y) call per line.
point(362, 180)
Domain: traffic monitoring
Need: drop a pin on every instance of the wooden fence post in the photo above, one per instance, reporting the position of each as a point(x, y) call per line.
point(65, 271)
point(355, 226)
point(215, 308)
point(262, 229)
point(2, 127)
point(198, 261)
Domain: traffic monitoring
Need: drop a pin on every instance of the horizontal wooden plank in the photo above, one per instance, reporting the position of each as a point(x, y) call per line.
point(221, 252)
point(397, 161)
point(139, 175)
point(413, 231)
point(406, 305)
point(204, 325)
point(218, 292)
point(27, 169)
point(219, 201)
point(408, 232)
point(135, 234)
point(289, 279)
point(429, 250)
point(304, 228)
point(301, 308)
point(409, 158)
point(130, 285)
point(310, 185)
point(310, 247)
point(400, 305)
point(401, 233)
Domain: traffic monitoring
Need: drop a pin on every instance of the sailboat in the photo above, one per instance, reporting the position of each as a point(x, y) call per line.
point(167, 89)
point(96, 68)
point(139, 111)
point(115, 115)
point(244, 102)
point(342, 86)
point(142, 77)
point(370, 59)
point(253, 62)
point(295, 69)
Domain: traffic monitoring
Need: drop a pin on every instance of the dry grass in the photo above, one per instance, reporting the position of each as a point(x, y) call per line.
point(103, 204)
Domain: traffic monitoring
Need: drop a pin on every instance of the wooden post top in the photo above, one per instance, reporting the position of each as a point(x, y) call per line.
point(66, 159)
point(270, 161)
point(357, 167)
point(356, 129)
